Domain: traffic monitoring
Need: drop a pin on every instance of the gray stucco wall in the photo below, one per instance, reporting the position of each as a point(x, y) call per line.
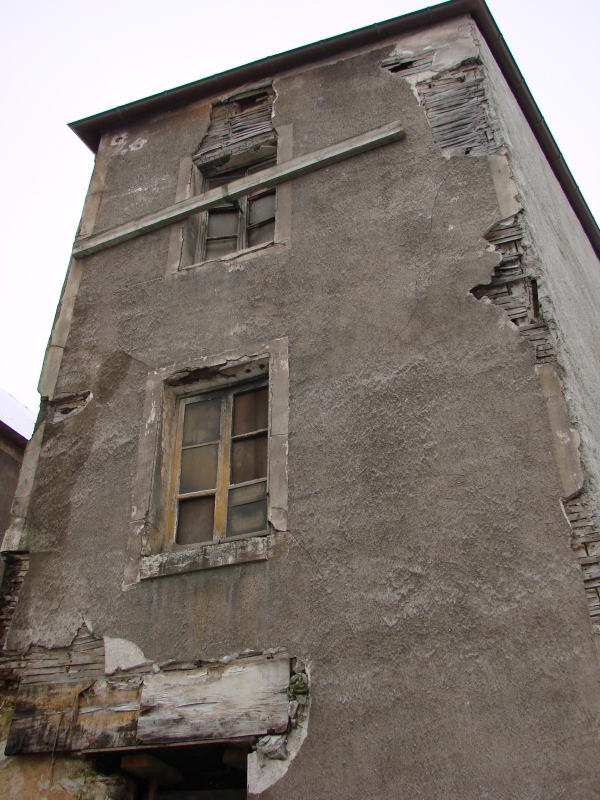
point(569, 267)
point(428, 582)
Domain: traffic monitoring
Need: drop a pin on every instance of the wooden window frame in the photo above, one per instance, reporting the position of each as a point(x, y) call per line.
point(241, 205)
point(224, 477)
point(151, 552)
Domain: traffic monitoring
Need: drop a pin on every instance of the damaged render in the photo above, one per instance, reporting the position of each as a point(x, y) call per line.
point(104, 694)
point(311, 459)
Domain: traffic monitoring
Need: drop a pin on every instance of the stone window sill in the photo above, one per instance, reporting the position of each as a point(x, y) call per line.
point(208, 556)
point(243, 255)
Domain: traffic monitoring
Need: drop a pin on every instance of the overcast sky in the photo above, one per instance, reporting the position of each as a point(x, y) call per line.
point(68, 59)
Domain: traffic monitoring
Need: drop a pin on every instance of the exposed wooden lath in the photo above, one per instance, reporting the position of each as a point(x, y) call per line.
point(454, 102)
point(15, 569)
point(83, 659)
point(237, 125)
point(514, 290)
point(585, 541)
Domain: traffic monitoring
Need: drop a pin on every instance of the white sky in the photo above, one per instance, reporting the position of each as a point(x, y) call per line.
point(68, 59)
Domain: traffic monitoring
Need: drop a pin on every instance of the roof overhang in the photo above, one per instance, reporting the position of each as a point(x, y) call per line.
point(91, 129)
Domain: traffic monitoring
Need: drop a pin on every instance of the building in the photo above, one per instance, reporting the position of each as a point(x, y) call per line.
point(16, 427)
point(310, 510)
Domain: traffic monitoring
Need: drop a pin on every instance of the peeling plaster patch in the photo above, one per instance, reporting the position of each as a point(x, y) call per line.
point(278, 517)
point(121, 654)
point(566, 438)
point(410, 63)
point(506, 188)
point(274, 754)
point(68, 406)
point(263, 771)
point(455, 53)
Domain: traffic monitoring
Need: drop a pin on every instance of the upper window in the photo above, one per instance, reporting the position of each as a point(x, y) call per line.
point(222, 463)
point(240, 141)
point(243, 223)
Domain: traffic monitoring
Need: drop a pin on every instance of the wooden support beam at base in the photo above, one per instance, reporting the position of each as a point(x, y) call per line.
point(179, 704)
point(260, 180)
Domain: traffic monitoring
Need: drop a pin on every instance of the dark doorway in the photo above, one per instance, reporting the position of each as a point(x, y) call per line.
point(186, 772)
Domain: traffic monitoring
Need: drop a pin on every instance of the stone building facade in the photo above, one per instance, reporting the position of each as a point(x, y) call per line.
point(310, 508)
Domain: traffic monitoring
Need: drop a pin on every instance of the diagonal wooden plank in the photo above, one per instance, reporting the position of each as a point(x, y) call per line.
point(260, 180)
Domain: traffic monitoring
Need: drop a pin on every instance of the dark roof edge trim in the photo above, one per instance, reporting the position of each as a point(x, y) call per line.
point(13, 435)
point(90, 129)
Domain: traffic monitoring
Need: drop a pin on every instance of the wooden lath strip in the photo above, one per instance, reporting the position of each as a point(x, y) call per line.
point(260, 180)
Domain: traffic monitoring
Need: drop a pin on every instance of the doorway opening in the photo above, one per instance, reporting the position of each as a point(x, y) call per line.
point(184, 772)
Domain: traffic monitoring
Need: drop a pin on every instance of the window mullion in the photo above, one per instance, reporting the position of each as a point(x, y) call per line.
point(173, 506)
point(243, 223)
point(220, 529)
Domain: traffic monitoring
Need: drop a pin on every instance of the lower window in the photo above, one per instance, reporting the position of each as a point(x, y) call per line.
point(222, 464)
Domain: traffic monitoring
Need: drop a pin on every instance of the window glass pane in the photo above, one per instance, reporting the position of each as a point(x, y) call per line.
point(250, 411)
point(248, 518)
point(220, 247)
point(195, 522)
point(222, 223)
point(262, 235)
point(247, 494)
point(262, 208)
point(249, 459)
point(202, 422)
point(199, 469)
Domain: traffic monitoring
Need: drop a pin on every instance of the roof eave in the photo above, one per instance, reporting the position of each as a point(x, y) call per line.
point(90, 129)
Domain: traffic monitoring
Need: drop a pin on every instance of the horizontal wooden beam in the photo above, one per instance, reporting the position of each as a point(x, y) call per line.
point(230, 191)
point(180, 703)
